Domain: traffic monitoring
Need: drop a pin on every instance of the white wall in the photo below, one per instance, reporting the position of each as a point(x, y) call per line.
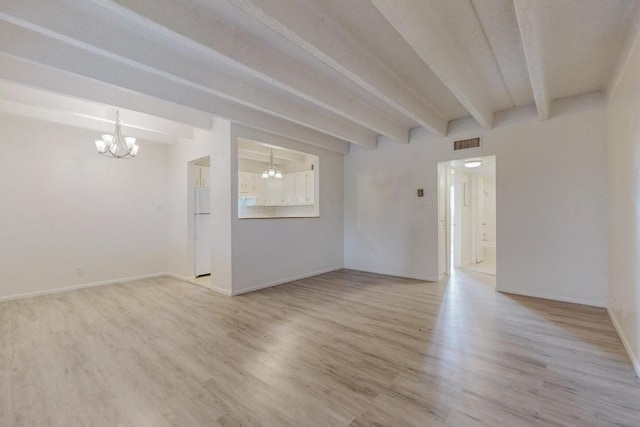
point(64, 207)
point(214, 143)
point(277, 250)
point(623, 152)
point(551, 211)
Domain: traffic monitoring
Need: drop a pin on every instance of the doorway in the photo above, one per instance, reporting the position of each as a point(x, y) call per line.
point(467, 215)
point(199, 174)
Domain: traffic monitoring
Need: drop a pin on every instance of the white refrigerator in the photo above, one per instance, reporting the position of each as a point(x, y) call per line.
point(203, 234)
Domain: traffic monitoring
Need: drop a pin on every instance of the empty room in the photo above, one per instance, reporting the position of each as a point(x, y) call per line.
point(320, 213)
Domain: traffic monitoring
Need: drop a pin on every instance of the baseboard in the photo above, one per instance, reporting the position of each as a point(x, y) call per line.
point(625, 341)
point(396, 274)
point(552, 297)
point(283, 281)
point(192, 280)
point(179, 277)
point(82, 286)
point(219, 290)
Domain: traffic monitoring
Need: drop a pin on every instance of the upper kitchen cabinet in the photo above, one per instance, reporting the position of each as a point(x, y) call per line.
point(276, 182)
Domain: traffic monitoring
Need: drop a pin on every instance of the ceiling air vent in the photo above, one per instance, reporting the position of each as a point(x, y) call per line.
point(463, 144)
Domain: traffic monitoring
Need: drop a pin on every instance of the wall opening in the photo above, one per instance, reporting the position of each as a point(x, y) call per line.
point(467, 211)
point(276, 182)
point(199, 209)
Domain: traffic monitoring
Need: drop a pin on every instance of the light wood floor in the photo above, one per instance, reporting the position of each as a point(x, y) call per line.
point(488, 266)
point(340, 349)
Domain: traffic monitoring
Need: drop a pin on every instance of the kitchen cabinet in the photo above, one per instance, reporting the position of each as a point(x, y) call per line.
point(294, 189)
point(289, 189)
point(246, 184)
point(274, 192)
point(300, 188)
point(201, 176)
point(310, 187)
point(261, 190)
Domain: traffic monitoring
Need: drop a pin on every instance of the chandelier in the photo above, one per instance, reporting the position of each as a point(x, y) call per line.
point(116, 146)
point(272, 172)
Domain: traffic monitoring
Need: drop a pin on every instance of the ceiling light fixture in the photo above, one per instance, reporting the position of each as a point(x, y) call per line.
point(472, 163)
point(116, 146)
point(271, 172)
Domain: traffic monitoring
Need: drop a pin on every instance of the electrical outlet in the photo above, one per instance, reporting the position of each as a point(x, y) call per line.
point(79, 271)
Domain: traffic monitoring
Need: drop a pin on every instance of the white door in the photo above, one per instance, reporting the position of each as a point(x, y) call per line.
point(461, 219)
point(480, 220)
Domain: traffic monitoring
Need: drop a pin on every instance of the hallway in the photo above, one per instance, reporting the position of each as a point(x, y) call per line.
point(487, 266)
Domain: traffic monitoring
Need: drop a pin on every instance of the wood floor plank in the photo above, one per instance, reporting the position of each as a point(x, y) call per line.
point(345, 348)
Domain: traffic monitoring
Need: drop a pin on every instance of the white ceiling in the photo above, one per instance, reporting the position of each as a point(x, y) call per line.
point(324, 72)
point(18, 99)
point(261, 152)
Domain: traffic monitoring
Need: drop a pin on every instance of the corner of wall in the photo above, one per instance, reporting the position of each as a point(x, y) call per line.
point(635, 359)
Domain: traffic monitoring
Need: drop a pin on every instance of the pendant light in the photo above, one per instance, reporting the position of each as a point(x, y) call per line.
point(271, 171)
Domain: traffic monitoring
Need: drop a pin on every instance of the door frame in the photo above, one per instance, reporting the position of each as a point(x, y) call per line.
point(442, 214)
point(478, 219)
point(476, 189)
point(444, 168)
